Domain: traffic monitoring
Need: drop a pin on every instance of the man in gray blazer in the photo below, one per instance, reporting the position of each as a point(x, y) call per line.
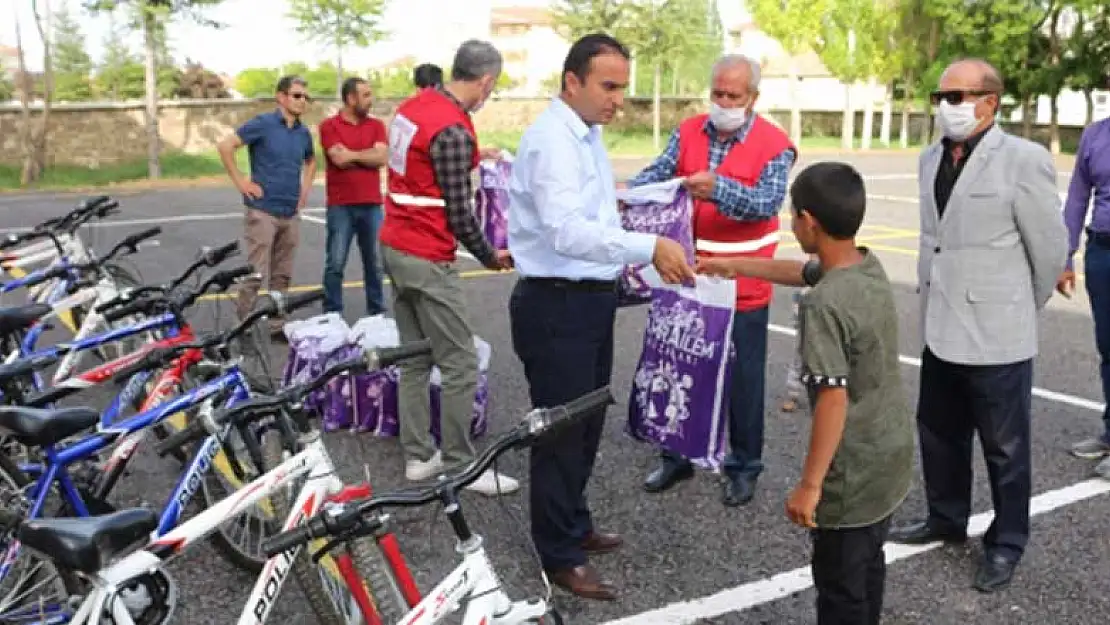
point(993, 244)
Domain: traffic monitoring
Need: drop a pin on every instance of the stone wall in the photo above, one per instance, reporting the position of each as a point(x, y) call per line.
point(95, 135)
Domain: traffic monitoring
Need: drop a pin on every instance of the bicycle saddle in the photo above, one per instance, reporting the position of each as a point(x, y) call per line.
point(19, 318)
point(37, 427)
point(86, 544)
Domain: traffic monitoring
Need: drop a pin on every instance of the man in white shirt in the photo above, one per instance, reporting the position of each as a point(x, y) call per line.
point(566, 240)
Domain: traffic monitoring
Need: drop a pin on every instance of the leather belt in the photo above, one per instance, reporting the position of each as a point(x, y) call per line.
point(588, 286)
point(1101, 239)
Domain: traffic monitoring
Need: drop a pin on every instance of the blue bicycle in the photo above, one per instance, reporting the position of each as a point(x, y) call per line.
point(46, 429)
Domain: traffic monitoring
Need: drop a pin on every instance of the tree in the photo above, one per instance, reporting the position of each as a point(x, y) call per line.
point(72, 64)
point(340, 24)
point(795, 25)
point(196, 82)
point(153, 17)
point(33, 136)
point(111, 78)
point(1088, 57)
point(7, 88)
point(257, 82)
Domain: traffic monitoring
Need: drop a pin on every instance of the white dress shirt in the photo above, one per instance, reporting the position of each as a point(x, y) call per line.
point(563, 216)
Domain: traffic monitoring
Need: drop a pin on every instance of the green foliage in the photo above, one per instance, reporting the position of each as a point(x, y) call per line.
point(257, 82)
point(339, 23)
point(72, 64)
point(796, 24)
point(577, 18)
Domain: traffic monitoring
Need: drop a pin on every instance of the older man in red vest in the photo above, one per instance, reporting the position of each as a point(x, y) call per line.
point(433, 149)
point(736, 165)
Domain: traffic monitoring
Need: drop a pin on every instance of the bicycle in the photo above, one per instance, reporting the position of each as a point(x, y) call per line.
point(474, 583)
point(44, 429)
point(92, 546)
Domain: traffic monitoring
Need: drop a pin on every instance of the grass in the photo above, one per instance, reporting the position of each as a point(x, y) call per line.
point(182, 166)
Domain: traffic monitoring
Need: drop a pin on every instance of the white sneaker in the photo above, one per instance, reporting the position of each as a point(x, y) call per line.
point(420, 470)
point(494, 484)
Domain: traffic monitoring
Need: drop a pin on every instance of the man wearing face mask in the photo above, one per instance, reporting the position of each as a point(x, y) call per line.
point(993, 243)
point(433, 149)
point(736, 165)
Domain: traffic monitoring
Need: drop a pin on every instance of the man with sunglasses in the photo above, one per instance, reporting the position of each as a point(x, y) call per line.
point(283, 166)
point(992, 246)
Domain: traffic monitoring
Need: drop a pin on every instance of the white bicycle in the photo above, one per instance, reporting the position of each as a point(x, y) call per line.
point(132, 587)
point(474, 583)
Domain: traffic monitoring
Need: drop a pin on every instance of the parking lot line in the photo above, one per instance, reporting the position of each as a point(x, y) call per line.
point(1062, 398)
point(747, 596)
point(352, 284)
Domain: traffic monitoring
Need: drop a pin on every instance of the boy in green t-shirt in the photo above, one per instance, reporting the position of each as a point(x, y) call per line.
point(860, 460)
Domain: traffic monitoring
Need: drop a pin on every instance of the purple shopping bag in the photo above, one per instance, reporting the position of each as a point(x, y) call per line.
point(665, 209)
point(491, 201)
point(679, 398)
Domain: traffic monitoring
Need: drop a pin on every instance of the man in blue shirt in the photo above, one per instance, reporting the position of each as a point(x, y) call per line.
point(566, 240)
point(283, 166)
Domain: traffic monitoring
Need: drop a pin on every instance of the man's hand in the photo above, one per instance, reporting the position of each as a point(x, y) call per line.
point(1065, 285)
point(801, 506)
point(250, 189)
point(670, 261)
point(701, 184)
point(717, 267)
point(491, 154)
point(504, 259)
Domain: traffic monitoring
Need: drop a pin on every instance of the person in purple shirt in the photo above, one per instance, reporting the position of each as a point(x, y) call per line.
point(1092, 176)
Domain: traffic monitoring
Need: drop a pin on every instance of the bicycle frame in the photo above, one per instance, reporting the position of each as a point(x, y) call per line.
point(475, 584)
point(321, 485)
point(54, 469)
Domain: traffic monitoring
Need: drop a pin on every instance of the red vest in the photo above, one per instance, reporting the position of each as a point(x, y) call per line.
point(716, 234)
point(415, 221)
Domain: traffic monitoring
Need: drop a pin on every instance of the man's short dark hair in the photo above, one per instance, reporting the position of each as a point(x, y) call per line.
point(583, 52)
point(285, 83)
point(350, 87)
point(427, 75)
point(834, 194)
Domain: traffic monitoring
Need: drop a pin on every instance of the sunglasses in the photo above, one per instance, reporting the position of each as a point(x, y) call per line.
point(955, 96)
point(300, 96)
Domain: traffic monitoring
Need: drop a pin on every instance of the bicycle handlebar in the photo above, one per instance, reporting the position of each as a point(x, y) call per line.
point(342, 518)
point(276, 305)
point(176, 304)
point(261, 406)
point(209, 258)
point(99, 205)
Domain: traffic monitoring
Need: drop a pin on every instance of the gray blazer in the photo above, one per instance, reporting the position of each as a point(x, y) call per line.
point(988, 266)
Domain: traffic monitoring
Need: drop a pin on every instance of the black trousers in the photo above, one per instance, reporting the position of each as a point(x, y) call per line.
point(849, 572)
point(563, 336)
point(995, 401)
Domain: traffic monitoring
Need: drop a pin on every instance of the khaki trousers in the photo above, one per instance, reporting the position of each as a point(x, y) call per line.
point(428, 303)
point(271, 247)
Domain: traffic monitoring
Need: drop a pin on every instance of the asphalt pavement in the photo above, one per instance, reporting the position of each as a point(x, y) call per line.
point(687, 558)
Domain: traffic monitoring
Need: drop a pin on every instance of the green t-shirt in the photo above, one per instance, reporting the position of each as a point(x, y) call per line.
point(849, 338)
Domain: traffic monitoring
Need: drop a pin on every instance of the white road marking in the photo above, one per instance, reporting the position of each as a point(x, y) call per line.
point(1062, 398)
point(752, 594)
point(143, 222)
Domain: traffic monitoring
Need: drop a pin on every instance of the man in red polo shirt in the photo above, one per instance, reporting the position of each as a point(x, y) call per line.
point(355, 148)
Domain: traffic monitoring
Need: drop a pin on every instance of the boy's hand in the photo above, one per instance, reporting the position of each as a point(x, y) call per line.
point(801, 506)
point(719, 267)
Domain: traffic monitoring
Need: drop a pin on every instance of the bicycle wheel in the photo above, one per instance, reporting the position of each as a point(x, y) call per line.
point(34, 586)
point(327, 589)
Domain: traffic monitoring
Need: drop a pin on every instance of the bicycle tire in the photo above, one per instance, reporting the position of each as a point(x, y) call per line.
point(380, 579)
point(70, 582)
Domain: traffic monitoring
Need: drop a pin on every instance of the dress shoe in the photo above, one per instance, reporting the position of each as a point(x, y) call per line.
point(737, 490)
point(583, 581)
point(995, 572)
point(667, 474)
point(597, 542)
point(924, 532)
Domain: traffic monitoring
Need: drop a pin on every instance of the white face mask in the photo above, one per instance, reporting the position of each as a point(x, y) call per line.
point(957, 121)
point(727, 120)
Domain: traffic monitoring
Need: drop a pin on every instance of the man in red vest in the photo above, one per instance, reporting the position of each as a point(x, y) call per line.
point(736, 165)
point(432, 151)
